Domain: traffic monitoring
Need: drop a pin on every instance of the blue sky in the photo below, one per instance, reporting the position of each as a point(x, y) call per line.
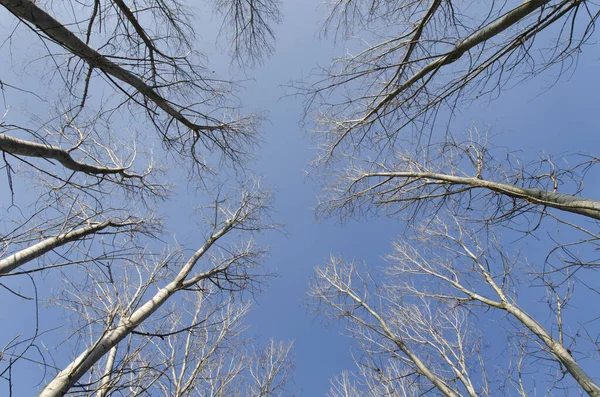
point(528, 117)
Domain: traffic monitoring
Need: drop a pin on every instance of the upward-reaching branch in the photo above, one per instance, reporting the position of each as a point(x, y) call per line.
point(477, 261)
point(333, 288)
point(244, 216)
point(30, 12)
point(28, 254)
point(365, 101)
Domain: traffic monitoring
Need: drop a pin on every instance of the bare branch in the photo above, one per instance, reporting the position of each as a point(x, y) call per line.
point(28, 254)
point(250, 23)
point(244, 215)
point(21, 147)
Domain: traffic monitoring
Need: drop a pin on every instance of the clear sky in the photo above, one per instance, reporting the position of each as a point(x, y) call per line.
point(528, 117)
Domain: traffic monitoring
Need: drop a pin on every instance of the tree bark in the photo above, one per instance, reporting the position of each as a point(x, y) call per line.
point(563, 202)
point(17, 259)
point(74, 371)
point(105, 382)
point(21, 147)
point(557, 349)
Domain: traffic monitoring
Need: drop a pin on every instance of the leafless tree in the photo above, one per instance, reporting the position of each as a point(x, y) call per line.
point(424, 318)
point(123, 314)
point(145, 58)
point(473, 204)
point(123, 95)
point(149, 64)
point(146, 52)
point(403, 343)
point(197, 351)
point(472, 177)
point(427, 326)
point(408, 61)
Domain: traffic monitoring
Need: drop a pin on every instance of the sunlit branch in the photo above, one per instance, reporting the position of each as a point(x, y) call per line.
point(28, 254)
point(563, 202)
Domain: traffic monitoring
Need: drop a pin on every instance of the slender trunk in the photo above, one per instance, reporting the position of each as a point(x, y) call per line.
point(421, 366)
point(559, 351)
point(105, 383)
point(74, 371)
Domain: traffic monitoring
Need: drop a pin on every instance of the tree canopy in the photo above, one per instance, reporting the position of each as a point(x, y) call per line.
point(136, 220)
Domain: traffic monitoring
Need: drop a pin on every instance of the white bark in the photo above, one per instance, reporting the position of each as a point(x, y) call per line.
point(74, 371)
point(557, 349)
point(105, 382)
point(17, 259)
point(422, 368)
point(563, 202)
point(384, 330)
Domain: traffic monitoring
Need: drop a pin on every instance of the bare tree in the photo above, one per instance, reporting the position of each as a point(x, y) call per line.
point(407, 62)
point(117, 308)
point(150, 66)
point(197, 351)
point(124, 106)
point(420, 324)
point(402, 333)
point(156, 68)
point(474, 205)
point(472, 177)
point(468, 205)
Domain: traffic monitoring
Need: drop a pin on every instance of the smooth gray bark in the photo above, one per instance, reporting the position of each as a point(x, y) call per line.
point(20, 147)
point(563, 202)
point(111, 338)
point(17, 259)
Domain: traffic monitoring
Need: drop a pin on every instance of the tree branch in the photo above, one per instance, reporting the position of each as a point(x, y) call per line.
point(563, 202)
point(35, 251)
point(21, 147)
